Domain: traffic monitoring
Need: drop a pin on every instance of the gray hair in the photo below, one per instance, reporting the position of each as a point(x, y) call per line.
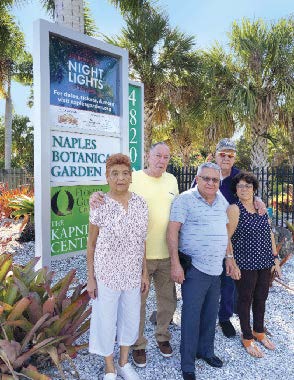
point(158, 143)
point(208, 165)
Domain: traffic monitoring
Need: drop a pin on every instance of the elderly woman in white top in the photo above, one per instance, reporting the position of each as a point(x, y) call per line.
point(117, 271)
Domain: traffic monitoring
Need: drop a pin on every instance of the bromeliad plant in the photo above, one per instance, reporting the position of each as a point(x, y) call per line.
point(6, 195)
point(38, 320)
point(23, 206)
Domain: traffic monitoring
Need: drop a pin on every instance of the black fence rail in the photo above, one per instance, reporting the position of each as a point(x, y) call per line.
point(16, 177)
point(185, 176)
point(275, 186)
point(275, 189)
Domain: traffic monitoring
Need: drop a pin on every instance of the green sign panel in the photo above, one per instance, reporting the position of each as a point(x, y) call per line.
point(136, 126)
point(70, 217)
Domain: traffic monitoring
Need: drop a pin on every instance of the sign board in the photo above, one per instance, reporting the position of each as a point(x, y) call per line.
point(136, 124)
point(80, 157)
point(70, 217)
point(81, 105)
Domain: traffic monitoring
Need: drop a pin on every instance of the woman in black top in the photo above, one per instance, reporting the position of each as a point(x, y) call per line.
point(254, 251)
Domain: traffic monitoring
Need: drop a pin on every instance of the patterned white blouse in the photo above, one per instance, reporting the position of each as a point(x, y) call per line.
point(120, 245)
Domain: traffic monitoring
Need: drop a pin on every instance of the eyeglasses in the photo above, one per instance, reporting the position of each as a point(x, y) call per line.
point(247, 186)
point(226, 154)
point(115, 175)
point(208, 179)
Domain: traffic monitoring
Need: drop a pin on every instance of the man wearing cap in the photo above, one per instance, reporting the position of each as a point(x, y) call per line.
point(225, 158)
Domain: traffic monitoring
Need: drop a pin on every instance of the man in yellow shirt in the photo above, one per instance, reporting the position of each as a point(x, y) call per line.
point(158, 188)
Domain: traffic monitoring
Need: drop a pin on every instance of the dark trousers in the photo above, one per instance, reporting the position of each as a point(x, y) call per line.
point(200, 294)
point(252, 289)
point(227, 299)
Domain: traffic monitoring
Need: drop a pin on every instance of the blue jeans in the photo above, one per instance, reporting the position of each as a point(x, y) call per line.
point(227, 300)
point(200, 294)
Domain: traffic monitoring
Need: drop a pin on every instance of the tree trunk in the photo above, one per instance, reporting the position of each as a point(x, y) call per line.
point(8, 125)
point(149, 111)
point(259, 149)
point(148, 127)
point(291, 138)
point(70, 13)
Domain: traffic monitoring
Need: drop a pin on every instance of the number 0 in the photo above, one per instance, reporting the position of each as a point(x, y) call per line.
point(133, 154)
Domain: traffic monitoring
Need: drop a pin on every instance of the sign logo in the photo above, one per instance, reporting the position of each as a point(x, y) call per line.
point(62, 203)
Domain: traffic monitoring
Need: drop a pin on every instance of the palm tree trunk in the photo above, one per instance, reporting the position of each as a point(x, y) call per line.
point(70, 13)
point(149, 111)
point(8, 125)
point(148, 126)
point(291, 138)
point(259, 149)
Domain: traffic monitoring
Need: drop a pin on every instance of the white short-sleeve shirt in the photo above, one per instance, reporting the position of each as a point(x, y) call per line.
point(120, 245)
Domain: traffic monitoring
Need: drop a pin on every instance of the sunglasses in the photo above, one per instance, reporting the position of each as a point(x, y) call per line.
point(225, 154)
point(208, 179)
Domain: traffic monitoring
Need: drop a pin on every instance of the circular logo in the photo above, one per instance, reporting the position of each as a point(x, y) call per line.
point(62, 203)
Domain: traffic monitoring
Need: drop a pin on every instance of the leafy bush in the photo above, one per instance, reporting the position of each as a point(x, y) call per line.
point(38, 321)
point(23, 206)
point(284, 202)
point(7, 194)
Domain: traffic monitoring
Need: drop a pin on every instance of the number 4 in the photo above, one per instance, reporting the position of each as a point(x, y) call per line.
point(132, 97)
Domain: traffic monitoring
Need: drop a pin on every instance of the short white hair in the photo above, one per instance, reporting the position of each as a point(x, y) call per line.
point(208, 165)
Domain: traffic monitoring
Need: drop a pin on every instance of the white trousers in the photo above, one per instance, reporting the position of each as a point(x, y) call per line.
point(114, 314)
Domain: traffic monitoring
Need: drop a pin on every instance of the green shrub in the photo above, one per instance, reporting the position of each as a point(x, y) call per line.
point(38, 319)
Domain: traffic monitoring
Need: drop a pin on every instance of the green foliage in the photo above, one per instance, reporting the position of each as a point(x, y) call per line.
point(22, 206)
point(12, 44)
point(160, 56)
point(24, 70)
point(130, 6)
point(7, 194)
point(49, 6)
point(263, 53)
point(22, 143)
point(38, 321)
point(243, 160)
point(285, 202)
point(90, 27)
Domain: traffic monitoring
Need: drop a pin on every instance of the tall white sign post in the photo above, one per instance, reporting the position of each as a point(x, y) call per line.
point(81, 117)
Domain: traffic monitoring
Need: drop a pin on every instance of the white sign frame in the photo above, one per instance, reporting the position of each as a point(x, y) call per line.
point(42, 130)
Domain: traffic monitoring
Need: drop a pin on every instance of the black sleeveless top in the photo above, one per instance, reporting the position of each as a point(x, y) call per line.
point(252, 241)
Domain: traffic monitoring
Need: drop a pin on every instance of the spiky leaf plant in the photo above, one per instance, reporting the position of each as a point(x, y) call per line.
point(38, 319)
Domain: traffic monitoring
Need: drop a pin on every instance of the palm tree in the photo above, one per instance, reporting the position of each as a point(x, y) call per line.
point(73, 12)
point(12, 53)
point(159, 57)
point(265, 80)
point(212, 109)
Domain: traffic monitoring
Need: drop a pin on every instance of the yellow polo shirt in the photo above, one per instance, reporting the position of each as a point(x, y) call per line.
point(158, 194)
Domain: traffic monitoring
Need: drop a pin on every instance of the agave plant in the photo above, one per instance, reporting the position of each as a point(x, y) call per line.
point(23, 205)
point(38, 319)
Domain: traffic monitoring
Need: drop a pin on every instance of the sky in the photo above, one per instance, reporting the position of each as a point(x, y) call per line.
point(208, 20)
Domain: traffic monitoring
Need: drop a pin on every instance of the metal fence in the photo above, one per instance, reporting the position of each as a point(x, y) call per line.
point(16, 177)
point(275, 188)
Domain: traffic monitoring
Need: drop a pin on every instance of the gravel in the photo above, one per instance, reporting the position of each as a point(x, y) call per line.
point(237, 363)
